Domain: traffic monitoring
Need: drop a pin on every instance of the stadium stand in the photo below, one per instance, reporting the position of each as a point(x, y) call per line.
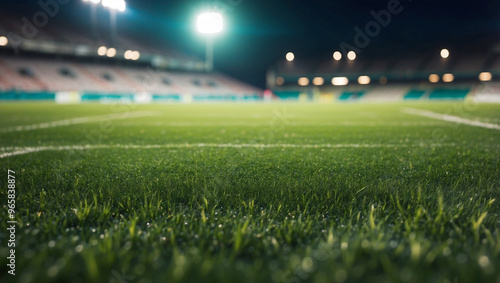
point(394, 79)
point(54, 76)
point(59, 60)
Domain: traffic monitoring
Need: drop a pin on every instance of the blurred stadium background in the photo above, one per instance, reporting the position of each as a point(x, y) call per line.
point(68, 64)
point(442, 75)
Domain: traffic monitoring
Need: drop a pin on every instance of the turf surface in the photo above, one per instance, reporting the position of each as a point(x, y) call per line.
point(251, 193)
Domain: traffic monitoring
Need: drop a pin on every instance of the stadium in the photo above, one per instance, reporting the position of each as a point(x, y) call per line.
point(250, 141)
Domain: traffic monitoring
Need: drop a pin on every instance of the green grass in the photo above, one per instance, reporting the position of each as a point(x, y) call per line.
point(385, 195)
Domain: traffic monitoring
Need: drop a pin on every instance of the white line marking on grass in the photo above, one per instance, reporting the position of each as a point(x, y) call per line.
point(26, 150)
point(292, 124)
point(80, 120)
point(450, 118)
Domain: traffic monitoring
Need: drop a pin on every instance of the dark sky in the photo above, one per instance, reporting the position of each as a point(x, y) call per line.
point(260, 32)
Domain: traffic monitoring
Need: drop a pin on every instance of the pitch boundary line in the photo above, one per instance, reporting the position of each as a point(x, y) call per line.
point(450, 118)
point(79, 120)
point(292, 124)
point(26, 150)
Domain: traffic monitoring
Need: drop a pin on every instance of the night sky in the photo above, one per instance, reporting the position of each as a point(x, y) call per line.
point(259, 33)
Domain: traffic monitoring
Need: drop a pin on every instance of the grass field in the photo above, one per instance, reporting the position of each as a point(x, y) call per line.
point(252, 193)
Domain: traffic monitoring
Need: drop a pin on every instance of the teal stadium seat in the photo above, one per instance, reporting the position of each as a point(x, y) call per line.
point(414, 94)
point(449, 93)
point(350, 95)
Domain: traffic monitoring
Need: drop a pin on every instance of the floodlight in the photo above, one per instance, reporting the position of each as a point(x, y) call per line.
point(128, 54)
point(337, 55)
point(209, 23)
point(290, 56)
point(351, 55)
point(135, 55)
point(433, 78)
point(364, 80)
point(448, 78)
point(111, 52)
point(485, 76)
point(318, 81)
point(119, 5)
point(340, 81)
point(303, 81)
point(445, 53)
point(101, 51)
point(3, 41)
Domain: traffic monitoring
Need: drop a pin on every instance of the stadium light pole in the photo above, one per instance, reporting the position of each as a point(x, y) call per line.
point(113, 6)
point(93, 17)
point(209, 24)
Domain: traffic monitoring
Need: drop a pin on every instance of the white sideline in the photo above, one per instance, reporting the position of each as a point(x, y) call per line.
point(291, 124)
point(450, 118)
point(80, 120)
point(25, 150)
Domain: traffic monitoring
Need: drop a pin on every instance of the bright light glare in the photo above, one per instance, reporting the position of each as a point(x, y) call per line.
point(290, 56)
point(303, 81)
point(93, 1)
point(135, 55)
point(3, 41)
point(340, 81)
point(318, 81)
point(209, 23)
point(128, 54)
point(337, 55)
point(364, 80)
point(102, 50)
point(448, 78)
point(433, 78)
point(111, 52)
point(115, 4)
point(351, 55)
point(132, 55)
point(445, 53)
point(280, 80)
point(485, 76)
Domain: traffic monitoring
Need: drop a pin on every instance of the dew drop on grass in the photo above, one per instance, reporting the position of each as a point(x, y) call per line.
point(344, 245)
point(78, 248)
point(484, 261)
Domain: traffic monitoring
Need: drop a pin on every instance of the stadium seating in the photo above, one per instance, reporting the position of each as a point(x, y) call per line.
point(94, 80)
point(449, 93)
